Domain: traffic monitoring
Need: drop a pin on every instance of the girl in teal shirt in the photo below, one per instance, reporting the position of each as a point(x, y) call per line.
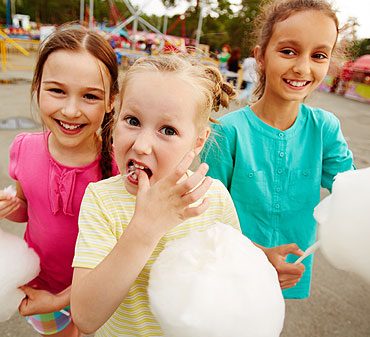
point(274, 155)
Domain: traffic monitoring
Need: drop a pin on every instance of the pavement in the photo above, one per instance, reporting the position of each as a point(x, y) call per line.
point(340, 302)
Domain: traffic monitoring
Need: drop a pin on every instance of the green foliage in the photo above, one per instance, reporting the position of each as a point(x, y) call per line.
point(358, 48)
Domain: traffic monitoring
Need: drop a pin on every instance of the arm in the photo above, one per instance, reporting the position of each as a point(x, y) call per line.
point(42, 302)
point(336, 155)
point(135, 246)
point(14, 208)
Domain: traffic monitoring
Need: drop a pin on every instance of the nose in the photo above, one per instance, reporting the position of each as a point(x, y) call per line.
point(302, 65)
point(143, 143)
point(71, 109)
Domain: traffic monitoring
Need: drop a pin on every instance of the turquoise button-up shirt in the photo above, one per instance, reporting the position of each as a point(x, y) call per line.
point(274, 176)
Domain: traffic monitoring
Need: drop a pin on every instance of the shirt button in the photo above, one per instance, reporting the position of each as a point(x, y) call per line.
point(281, 135)
point(281, 154)
point(305, 173)
point(277, 206)
point(279, 171)
point(250, 175)
point(278, 189)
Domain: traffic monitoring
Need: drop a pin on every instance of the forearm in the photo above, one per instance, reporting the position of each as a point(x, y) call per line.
point(20, 214)
point(119, 269)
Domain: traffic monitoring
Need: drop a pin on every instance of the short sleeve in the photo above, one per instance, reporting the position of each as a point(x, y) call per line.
point(15, 154)
point(219, 155)
point(336, 155)
point(95, 238)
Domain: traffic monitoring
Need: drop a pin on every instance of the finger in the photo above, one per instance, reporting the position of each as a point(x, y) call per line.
point(188, 185)
point(198, 192)
point(286, 285)
point(182, 167)
point(143, 179)
point(290, 268)
point(9, 209)
point(289, 278)
point(195, 211)
point(290, 248)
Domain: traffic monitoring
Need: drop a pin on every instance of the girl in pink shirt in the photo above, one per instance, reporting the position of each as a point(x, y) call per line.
point(74, 85)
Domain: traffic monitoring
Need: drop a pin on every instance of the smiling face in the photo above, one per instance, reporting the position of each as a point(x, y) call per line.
point(156, 127)
point(297, 56)
point(74, 96)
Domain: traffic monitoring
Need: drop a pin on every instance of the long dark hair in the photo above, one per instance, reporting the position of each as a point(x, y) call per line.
point(76, 38)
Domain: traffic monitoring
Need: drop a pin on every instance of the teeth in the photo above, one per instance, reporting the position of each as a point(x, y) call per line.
point(69, 126)
point(297, 83)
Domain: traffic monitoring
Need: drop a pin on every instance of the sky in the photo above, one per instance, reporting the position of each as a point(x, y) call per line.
point(346, 8)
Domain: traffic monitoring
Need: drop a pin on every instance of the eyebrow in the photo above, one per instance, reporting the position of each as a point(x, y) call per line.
point(87, 88)
point(295, 43)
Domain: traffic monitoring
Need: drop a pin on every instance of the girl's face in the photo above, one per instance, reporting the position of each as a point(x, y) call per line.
point(156, 126)
point(297, 56)
point(74, 96)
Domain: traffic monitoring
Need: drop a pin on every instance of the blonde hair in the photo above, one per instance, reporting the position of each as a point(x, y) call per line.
point(279, 10)
point(206, 79)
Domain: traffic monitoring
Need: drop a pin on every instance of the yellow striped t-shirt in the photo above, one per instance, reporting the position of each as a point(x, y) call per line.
point(106, 210)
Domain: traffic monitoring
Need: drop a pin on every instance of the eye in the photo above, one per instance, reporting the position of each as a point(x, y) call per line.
point(91, 97)
point(288, 52)
point(133, 121)
point(168, 131)
point(320, 56)
point(56, 90)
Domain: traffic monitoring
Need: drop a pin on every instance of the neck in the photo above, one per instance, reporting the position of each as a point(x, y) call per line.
point(74, 156)
point(281, 115)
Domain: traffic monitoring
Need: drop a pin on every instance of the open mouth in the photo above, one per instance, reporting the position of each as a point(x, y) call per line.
point(70, 126)
point(297, 84)
point(133, 165)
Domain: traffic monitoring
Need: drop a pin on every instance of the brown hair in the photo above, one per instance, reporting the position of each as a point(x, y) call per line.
point(279, 10)
point(207, 80)
point(76, 38)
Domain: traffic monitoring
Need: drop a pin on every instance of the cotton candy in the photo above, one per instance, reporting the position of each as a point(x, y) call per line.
point(19, 264)
point(10, 190)
point(344, 219)
point(215, 283)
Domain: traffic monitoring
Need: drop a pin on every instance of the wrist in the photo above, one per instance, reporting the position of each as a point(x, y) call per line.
point(142, 230)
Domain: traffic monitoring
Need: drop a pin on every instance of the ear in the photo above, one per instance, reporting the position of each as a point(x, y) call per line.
point(201, 140)
point(257, 51)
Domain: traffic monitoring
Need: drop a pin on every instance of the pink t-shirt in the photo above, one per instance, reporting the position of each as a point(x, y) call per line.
point(54, 193)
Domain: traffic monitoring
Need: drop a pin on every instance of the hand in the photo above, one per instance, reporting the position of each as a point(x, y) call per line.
point(8, 204)
point(37, 302)
point(289, 274)
point(166, 203)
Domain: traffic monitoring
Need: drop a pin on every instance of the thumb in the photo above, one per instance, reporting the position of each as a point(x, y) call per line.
point(29, 291)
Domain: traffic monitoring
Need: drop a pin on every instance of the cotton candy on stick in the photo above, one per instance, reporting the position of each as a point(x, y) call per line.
point(18, 265)
point(215, 283)
point(344, 219)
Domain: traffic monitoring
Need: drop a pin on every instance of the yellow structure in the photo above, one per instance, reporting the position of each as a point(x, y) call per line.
point(5, 42)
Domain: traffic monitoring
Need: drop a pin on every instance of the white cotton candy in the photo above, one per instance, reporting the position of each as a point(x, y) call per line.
point(19, 264)
point(344, 219)
point(10, 190)
point(215, 283)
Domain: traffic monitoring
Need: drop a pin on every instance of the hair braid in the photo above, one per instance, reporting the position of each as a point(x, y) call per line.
point(107, 148)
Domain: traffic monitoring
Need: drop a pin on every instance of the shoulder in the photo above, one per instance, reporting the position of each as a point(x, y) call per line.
point(28, 139)
point(320, 116)
point(234, 120)
point(107, 186)
point(217, 191)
